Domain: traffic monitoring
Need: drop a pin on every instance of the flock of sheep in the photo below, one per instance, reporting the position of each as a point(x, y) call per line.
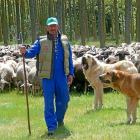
point(12, 71)
point(12, 74)
point(109, 54)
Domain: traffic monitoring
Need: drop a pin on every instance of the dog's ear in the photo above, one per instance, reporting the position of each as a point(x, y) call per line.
point(114, 76)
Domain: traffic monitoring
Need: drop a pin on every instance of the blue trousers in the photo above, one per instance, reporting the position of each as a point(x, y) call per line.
point(56, 98)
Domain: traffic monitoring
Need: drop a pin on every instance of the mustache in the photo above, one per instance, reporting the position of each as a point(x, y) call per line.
point(52, 30)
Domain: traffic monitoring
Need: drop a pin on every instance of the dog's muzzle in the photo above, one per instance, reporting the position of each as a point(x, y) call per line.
point(84, 63)
point(104, 81)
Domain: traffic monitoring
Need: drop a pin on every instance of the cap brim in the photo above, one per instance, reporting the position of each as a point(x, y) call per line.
point(52, 23)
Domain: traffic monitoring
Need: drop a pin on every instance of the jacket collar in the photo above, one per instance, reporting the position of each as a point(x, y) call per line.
point(50, 37)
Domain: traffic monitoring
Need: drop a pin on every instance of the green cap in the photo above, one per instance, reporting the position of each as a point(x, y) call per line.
point(51, 20)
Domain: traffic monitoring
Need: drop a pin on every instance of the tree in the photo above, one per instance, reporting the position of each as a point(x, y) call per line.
point(59, 13)
point(100, 23)
point(10, 18)
point(116, 23)
point(70, 19)
point(86, 21)
point(127, 20)
point(22, 9)
point(80, 19)
point(4, 23)
point(75, 20)
point(104, 24)
point(63, 17)
point(138, 21)
point(50, 10)
point(0, 24)
point(82, 22)
point(33, 21)
point(18, 20)
point(94, 22)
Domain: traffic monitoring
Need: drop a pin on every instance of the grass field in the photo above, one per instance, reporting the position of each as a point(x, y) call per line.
point(81, 122)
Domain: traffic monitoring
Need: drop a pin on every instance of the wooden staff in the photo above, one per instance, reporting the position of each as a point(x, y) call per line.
point(26, 95)
point(20, 34)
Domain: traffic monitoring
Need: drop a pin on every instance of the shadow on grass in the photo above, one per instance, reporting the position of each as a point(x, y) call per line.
point(5, 92)
point(28, 136)
point(122, 124)
point(91, 111)
point(61, 133)
point(105, 109)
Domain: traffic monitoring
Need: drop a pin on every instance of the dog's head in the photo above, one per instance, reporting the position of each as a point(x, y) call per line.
point(87, 61)
point(109, 77)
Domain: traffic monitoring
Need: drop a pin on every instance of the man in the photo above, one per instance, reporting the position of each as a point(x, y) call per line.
point(55, 67)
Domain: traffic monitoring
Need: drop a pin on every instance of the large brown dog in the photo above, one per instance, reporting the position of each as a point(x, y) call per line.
point(128, 84)
point(92, 68)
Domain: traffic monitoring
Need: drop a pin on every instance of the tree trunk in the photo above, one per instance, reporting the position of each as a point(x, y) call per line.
point(138, 22)
point(132, 24)
point(4, 23)
point(94, 22)
point(59, 14)
point(43, 16)
point(100, 19)
point(70, 19)
point(86, 21)
point(83, 23)
point(50, 10)
point(116, 23)
point(22, 9)
point(33, 21)
point(10, 18)
point(127, 20)
point(1, 24)
point(75, 21)
point(18, 20)
point(104, 24)
point(63, 17)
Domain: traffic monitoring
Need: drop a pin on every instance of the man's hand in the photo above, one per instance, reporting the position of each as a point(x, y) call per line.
point(70, 79)
point(22, 49)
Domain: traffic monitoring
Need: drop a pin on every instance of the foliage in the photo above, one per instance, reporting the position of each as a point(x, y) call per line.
point(44, 9)
point(109, 41)
point(81, 122)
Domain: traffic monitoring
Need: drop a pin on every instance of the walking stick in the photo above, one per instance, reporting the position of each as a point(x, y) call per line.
point(26, 88)
point(26, 94)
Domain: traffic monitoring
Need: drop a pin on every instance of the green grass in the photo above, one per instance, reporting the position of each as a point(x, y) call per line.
point(81, 122)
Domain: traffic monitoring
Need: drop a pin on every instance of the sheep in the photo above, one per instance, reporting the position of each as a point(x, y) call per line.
point(135, 58)
point(122, 54)
point(123, 45)
point(21, 76)
point(32, 64)
point(79, 80)
point(12, 65)
point(111, 60)
point(6, 75)
point(34, 80)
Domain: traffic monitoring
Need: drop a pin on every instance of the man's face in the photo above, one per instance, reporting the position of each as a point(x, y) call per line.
point(52, 29)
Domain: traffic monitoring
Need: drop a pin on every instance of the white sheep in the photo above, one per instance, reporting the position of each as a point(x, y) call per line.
point(21, 76)
point(34, 80)
point(6, 75)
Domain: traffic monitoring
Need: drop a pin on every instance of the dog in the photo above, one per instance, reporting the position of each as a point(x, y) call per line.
point(127, 84)
point(92, 68)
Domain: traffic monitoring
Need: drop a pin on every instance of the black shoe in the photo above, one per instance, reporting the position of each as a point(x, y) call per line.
point(60, 124)
point(50, 132)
